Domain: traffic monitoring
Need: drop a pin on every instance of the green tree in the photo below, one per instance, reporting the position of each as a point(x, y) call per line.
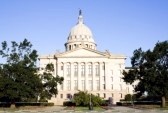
point(150, 68)
point(83, 98)
point(49, 83)
point(19, 78)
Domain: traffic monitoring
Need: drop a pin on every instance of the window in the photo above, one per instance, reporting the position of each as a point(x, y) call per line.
point(112, 86)
point(112, 95)
point(97, 85)
point(120, 95)
point(61, 95)
point(69, 96)
point(75, 70)
point(90, 70)
point(69, 47)
point(75, 84)
point(98, 94)
point(97, 70)
point(68, 70)
point(90, 84)
point(61, 67)
point(104, 86)
point(83, 85)
point(75, 45)
point(68, 85)
point(82, 70)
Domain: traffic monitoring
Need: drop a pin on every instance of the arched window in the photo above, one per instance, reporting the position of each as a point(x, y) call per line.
point(90, 69)
point(69, 47)
point(97, 69)
point(62, 66)
point(74, 45)
point(82, 69)
point(68, 70)
point(75, 69)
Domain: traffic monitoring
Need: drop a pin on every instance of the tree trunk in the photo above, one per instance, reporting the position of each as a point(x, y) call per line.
point(163, 104)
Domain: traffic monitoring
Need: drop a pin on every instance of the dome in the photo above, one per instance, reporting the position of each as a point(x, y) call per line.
point(80, 36)
point(80, 32)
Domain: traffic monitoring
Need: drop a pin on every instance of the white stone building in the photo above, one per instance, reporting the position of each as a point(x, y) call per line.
point(87, 69)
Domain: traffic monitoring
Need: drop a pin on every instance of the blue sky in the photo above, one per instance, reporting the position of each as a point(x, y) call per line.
point(120, 26)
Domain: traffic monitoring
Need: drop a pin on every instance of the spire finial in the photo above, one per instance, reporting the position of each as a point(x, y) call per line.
point(80, 12)
point(80, 18)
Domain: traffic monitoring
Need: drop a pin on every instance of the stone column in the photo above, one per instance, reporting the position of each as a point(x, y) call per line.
point(72, 75)
point(55, 68)
point(79, 76)
point(107, 78)
point(86, 76)
point(93, 77)
point(101, 75)
point(64, 75)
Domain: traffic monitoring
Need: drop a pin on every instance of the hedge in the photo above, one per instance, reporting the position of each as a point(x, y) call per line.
point(69, 103)
point(19, 104)
point(125, 103)
point(5, 104)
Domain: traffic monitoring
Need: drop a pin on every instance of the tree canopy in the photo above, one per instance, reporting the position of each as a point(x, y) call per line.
point(150, 69)
point(83, 98)
point(19, 76)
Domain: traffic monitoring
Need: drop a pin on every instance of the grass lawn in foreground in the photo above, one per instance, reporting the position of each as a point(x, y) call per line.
point(84, 109)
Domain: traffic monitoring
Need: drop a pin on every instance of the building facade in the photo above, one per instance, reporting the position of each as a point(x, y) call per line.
point(85, 68)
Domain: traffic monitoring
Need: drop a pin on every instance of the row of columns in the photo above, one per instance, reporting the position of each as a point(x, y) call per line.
point(102, 72)
point(77, 45)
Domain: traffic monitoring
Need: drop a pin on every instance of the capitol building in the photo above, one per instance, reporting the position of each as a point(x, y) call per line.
point(85, 68)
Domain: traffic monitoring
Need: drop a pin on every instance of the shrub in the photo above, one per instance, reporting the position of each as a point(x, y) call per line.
point(129, 97)
point(104, 103)
point(83, 98)
point(69, 103)
point(19, 104)
point(5, 104)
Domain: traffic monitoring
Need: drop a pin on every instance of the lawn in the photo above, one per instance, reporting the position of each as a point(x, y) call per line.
point(85, 108)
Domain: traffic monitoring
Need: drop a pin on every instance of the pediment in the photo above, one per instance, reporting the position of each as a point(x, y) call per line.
point(82, 53)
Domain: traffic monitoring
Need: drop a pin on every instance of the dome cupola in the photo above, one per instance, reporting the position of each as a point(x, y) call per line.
point(80, 36)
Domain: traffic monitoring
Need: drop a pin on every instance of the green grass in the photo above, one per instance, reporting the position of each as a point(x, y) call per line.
point(84, 109)
point(87, 108)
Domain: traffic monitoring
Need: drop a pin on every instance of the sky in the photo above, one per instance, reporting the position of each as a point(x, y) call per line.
point(120, 26)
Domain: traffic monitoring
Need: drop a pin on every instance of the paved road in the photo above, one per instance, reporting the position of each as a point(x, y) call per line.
point(59, 109)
